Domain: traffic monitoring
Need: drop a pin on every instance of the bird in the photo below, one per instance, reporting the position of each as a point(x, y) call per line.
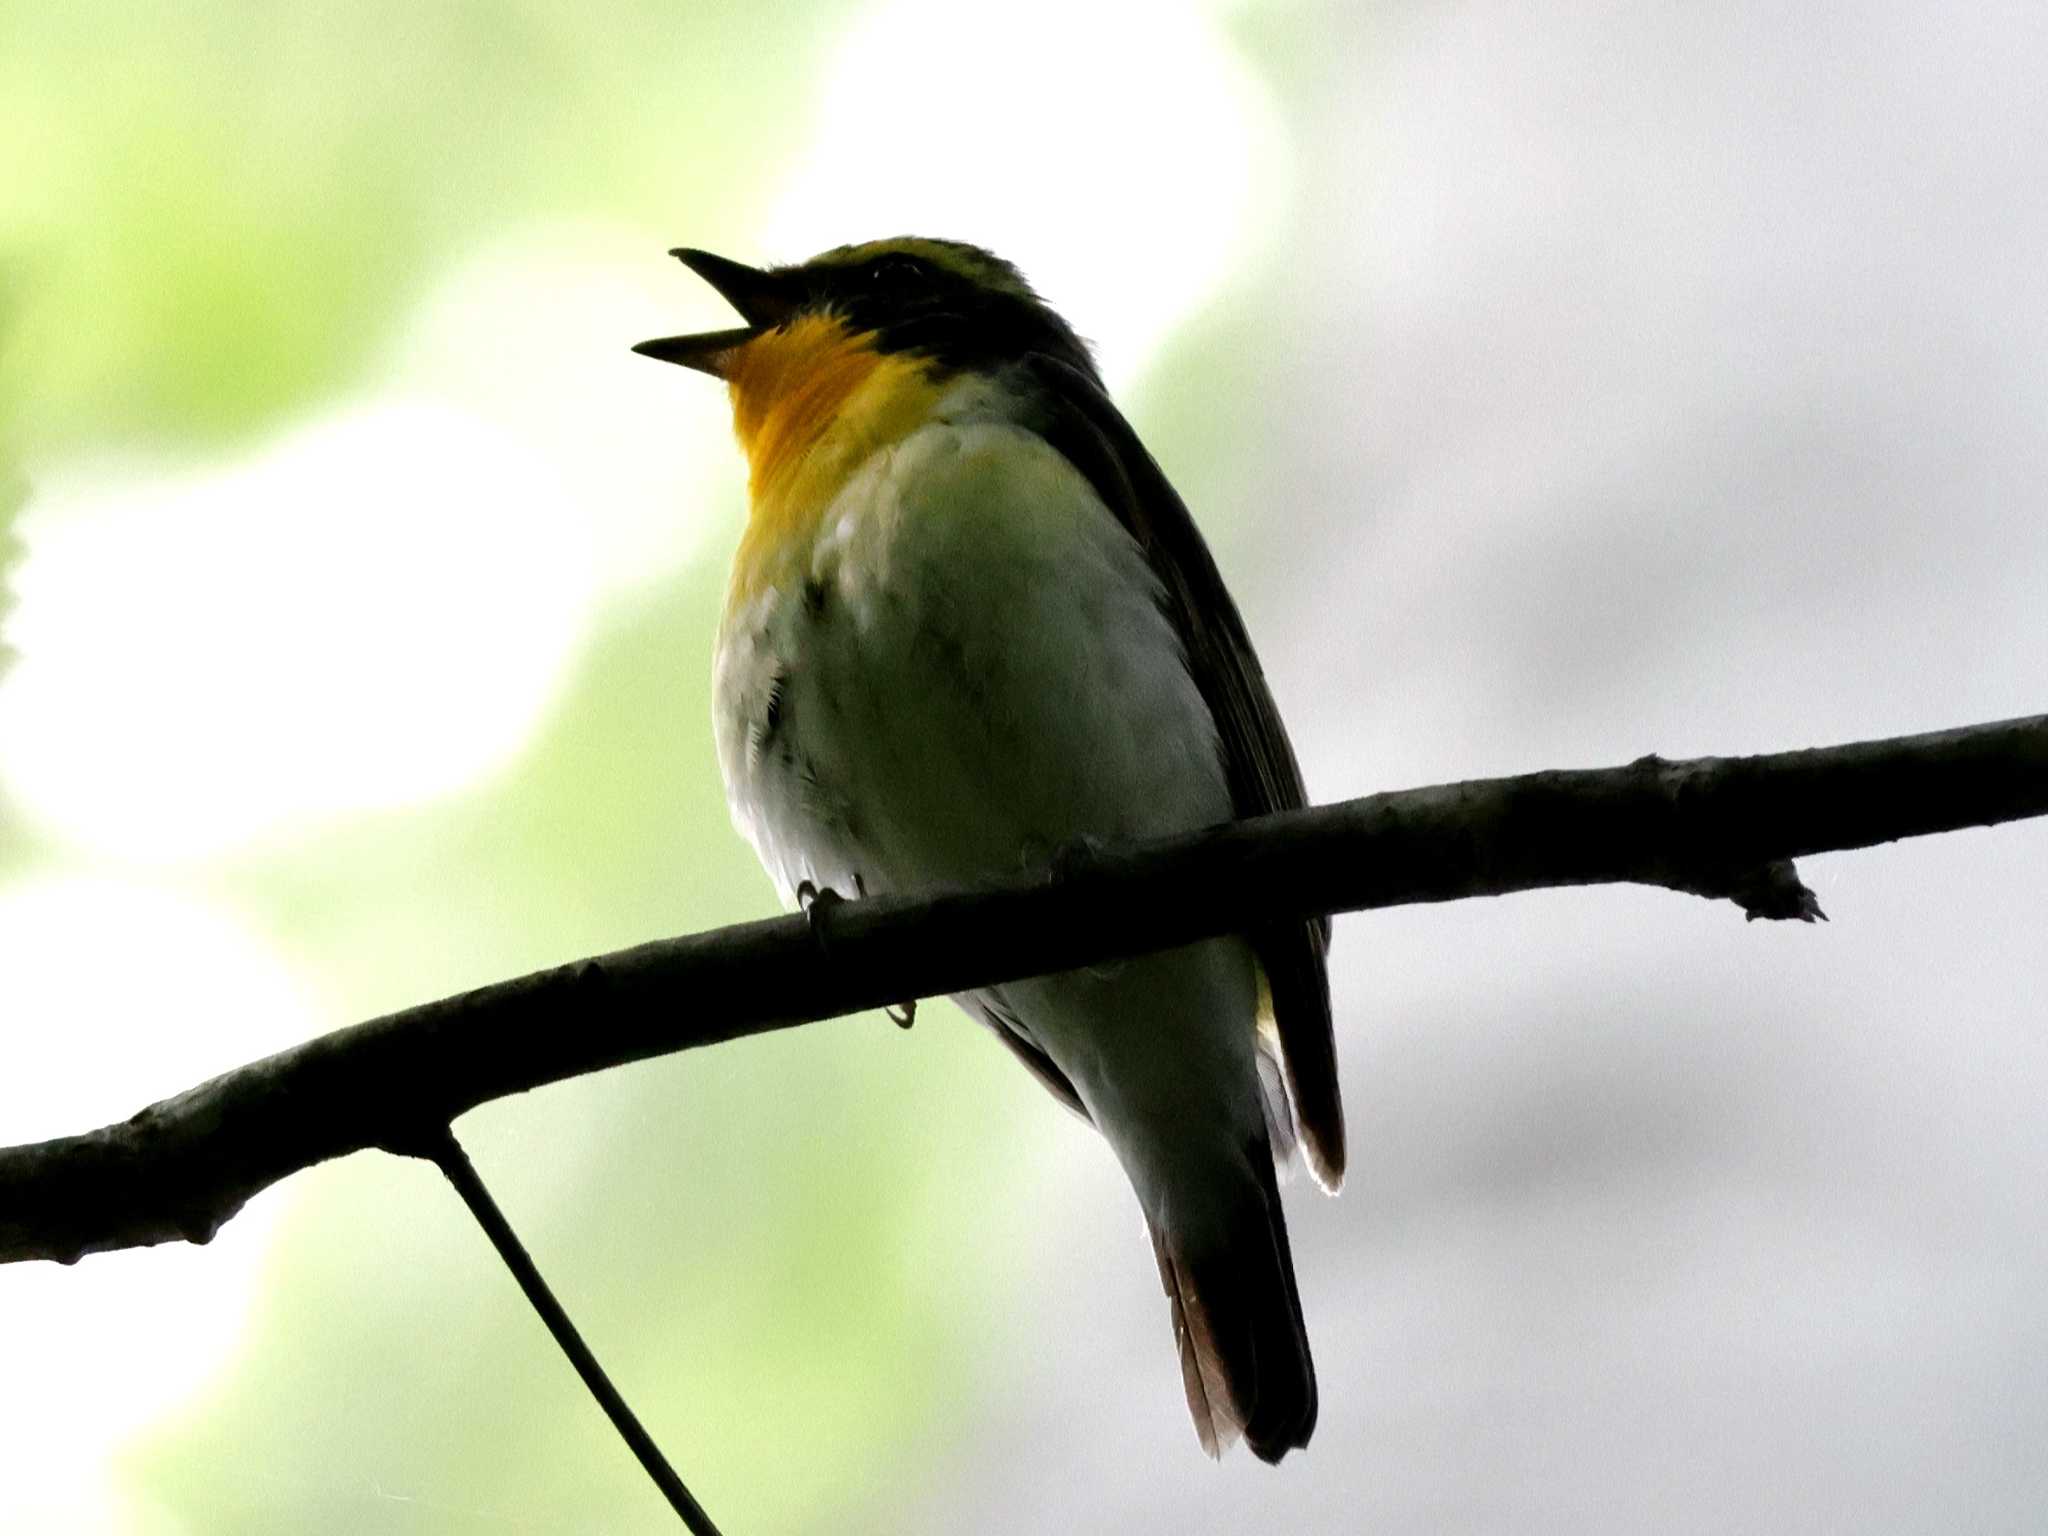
point(970, 625)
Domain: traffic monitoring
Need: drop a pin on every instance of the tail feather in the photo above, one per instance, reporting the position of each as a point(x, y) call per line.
point(1295, 995)
point(1244, 1356)
point(1274, 1102)
point(1210, 1403)
point(1297, 1057)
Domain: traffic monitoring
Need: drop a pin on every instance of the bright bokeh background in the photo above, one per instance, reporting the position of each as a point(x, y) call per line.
point(1555, 386)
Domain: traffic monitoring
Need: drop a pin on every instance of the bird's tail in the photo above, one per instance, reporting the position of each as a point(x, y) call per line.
point(1244, 1356)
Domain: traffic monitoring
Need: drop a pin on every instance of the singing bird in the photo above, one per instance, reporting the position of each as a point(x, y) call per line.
point(969, 624)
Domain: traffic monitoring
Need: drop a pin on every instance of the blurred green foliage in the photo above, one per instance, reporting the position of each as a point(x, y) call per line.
point(212, 211)
point(784, 1249)
point(214, 215)
point(13, 492)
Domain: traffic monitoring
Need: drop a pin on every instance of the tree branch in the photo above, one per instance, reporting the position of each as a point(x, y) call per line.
point(1716, 827)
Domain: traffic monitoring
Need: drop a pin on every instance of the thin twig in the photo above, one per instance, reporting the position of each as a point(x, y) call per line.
point(445, 1152)
point(1718, 827)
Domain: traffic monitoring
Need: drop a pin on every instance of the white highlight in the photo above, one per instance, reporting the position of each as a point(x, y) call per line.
point(535, 333)
point(1117, 150)
point(117, 994)
point(374, 610)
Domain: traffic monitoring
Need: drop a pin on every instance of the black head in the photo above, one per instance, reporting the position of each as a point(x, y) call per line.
point(956, 304)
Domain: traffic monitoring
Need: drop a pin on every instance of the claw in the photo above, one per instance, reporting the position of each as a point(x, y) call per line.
point(816, 903)
point(819, 900)
point(1074, 857)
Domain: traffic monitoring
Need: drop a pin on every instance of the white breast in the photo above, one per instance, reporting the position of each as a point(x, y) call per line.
point(976, 671)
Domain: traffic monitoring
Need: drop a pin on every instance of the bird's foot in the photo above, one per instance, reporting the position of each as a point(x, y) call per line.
point(904, 1014)
point(817, 903)
point(1076, 856)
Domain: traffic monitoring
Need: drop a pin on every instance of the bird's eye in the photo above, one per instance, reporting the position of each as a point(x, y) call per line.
point(898, 274)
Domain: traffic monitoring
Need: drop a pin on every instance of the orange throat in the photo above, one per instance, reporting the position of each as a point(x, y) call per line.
point(810, 402)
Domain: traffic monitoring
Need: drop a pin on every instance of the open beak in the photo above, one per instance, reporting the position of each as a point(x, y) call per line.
point(764, 300)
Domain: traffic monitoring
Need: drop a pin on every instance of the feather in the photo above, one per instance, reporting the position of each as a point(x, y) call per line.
point(1201, 1368)
point(989, 1007)
point(1273, 1099)
point(1244, 1358)
point(1259, 762)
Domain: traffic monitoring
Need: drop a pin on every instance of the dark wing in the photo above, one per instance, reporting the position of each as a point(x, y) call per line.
point(1082, 423)
point(994, 1010)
